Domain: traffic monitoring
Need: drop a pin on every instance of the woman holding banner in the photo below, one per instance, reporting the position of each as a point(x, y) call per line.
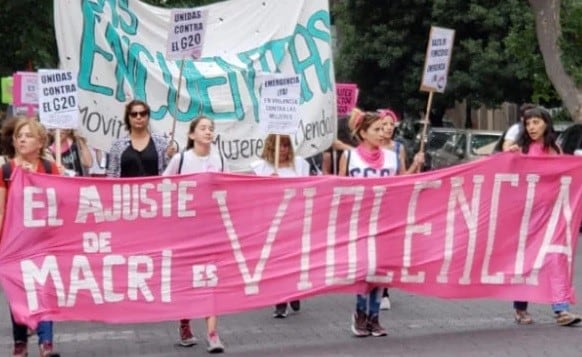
point(198, 157)
point(29, 141)
point(288, 165)
point(539, 138)
point(368, 159)
point(141, 153)
point(389, 120)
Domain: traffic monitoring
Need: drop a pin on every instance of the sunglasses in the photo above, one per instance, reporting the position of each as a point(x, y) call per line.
point(141, 114)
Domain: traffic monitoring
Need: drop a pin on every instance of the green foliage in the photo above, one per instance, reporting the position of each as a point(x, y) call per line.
point(571, 41)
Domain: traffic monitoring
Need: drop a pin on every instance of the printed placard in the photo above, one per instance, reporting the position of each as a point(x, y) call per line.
point(438, 58)
point(279, 108)
point(347, 95)
point(24, 91)
point(186, 34)
point(57, 95)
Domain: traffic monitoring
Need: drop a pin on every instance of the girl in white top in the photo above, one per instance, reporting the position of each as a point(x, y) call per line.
point(368, 159)
point(289, 166)
point(198, 157)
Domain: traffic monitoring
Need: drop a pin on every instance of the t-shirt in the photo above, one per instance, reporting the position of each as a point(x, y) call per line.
point(136, 163)
point(357, 167)
point(192, 163)
point(39, 169)
point(514, 132)
point(263, 168)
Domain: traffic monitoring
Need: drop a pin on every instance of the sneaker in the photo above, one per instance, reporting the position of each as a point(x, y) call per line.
point(187, 339)
point(385, 303)
point(46, 350)
point(375, 328)
point(214, 344)
point(360, 324)
point(295, 305)
point(522, 317)
point(20, 349)
point(566, 318)
point(280, 312)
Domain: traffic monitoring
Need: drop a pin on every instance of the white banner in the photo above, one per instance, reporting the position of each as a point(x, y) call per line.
point(118, 50)
point(280, 96)
point(57, 99)
point(438, 57)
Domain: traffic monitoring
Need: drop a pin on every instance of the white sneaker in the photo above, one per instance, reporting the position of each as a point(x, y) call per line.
point(214, 343)
point(385, 303)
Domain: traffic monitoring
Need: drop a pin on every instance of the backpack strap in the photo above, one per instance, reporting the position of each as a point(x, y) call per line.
point(181, 162)
point(397, 149)
point(6, 172)
point(348, 154)
point(221, 163)
point(48, 167)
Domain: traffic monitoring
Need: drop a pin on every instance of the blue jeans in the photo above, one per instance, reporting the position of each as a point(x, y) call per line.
point(556, 307)
point(44, 331)
point(373, 298)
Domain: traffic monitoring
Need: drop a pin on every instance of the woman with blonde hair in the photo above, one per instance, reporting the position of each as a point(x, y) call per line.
point(29, 141)
point(289, 165)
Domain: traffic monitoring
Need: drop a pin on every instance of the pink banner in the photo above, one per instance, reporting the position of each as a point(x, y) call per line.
point(154, 249)
point(347, 96)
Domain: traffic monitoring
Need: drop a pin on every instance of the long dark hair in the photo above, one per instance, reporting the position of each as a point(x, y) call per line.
point(549, 137)
point(128, 109)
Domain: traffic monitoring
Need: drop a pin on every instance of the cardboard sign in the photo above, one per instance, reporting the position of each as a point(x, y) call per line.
point(347, 96)
point(438, 58)
point(186, 34)
point(57, 98)
point(280, 98)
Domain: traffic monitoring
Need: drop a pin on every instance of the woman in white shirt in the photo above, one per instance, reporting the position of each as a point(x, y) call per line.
point(198, 157)
point(289, 166)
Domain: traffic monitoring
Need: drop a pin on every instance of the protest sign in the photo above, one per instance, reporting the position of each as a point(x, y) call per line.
point(7, 83)
point(186, 34)
point(347, 95)
point(438, 58)
point(504, 227)
point(57, 98)
point(25, 92)
point(118, 50)
point(279, 110)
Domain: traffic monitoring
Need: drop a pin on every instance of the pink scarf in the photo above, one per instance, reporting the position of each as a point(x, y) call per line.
point(374, 158)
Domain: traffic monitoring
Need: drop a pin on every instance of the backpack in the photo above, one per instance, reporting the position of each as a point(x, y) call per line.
point(7, 170)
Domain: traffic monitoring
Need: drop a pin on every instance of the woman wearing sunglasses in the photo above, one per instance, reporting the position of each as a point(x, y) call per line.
point(141, 153)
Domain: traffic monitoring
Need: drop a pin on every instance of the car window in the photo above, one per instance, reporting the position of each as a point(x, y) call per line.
point(483, 144)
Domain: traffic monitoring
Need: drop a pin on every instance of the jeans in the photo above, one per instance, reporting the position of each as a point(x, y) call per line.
point(556, 307)
point(44, 331)
point(373, 298)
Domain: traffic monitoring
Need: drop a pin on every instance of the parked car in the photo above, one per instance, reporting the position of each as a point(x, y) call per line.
point(436, 139)
point(570, 140)
point(464, 146)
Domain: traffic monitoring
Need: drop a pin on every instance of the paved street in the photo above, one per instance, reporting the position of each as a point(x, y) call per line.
point(417, 326)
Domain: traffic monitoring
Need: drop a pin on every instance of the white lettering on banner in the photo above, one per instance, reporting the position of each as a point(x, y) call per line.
point(413, 228)
point(562, 205)
point(379, 192)
point(85, 282)
point(97, 242)
point(458, 196)
point(30, 205)
point(498, 277)
point(304, 282)
point(204, 276)
point(31, 275)
point(532, 180)
point(132, 201)
point(252, 281)
point(83, 278)
point(338, 192)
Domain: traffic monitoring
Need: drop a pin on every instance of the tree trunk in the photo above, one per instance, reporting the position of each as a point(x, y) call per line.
point(548, 31)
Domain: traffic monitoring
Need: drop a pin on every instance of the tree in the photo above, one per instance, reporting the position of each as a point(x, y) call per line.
point(560, 42)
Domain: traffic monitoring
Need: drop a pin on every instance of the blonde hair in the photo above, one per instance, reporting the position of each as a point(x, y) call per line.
point(360, 120)
point(268, 153)
point(35, 128)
